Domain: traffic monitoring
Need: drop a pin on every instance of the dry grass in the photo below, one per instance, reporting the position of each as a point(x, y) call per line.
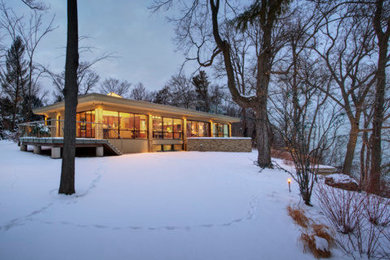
point(310, 232)
point(322, 230)
point(298, 215)
point(309, 244)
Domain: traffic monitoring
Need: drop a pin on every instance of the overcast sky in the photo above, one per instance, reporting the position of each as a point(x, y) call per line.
point(142, 42)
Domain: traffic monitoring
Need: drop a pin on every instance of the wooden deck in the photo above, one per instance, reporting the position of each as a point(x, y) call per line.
point(103, 146)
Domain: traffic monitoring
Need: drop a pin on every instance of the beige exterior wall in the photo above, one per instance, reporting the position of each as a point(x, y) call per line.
point(219, 144)
point(167, 141)
point(131, 145)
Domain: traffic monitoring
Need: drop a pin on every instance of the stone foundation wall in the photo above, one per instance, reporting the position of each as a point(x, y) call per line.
point(234, 144)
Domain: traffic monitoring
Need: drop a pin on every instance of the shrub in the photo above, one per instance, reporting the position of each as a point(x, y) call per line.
point(341, 207)
point(362, 220)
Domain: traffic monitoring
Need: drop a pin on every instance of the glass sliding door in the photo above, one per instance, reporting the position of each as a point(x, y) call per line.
point(167, 128)
point(140, 127)
point(198, 129)
point(110, 124)
point(85, 124)
point(124, 125)
point(221, 130)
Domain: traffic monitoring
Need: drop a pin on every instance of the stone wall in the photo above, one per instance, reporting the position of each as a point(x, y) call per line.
point(218, 144)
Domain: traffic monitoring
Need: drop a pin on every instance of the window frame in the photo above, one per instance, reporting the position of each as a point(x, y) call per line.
point(189, 130)
point(162, 134)
point(135, 133)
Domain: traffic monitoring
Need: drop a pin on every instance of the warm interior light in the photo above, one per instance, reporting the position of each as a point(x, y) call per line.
point(112, 94)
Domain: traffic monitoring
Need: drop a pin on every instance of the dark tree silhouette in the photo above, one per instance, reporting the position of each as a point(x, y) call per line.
point(201, 84)
point(70, 93)
point(15, 79)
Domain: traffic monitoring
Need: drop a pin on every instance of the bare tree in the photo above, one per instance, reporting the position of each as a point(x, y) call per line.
point(345, 44)
point(182, 91)
point(116, 86)
point(87, 78)
point(306, 120)
point(202, 27)
point(139, 92)
point(35, 5)
point(381, 22)
point(32, 34)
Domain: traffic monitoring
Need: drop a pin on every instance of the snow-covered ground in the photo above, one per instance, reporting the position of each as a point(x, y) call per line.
point(179, 205)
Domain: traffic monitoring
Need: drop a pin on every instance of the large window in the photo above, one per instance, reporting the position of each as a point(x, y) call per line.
point(85, 124)
point(167, 128)
point(198, 129)
point(221, 130)
point(124, 125)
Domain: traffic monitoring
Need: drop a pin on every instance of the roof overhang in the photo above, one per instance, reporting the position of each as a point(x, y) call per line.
point(91, 101)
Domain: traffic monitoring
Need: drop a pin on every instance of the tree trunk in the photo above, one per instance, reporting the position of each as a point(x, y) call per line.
point(376, 149)
point(244, 123)
point(262, 123)
point(263, 142)
point(364, 160)
point(70, 93)
point(351, 146)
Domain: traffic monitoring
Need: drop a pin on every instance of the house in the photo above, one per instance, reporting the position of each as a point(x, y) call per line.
point(116, 125)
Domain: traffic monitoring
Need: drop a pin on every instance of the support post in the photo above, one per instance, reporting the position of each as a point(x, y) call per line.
point(99, 151)
point(37, 149)
point(150, 133)
point(211, 128)
point(23, 147)
point(99, 123)
point(56, 152)
point(184, 134)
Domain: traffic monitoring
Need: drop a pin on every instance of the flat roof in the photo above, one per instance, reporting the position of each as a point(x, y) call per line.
point(94, 99)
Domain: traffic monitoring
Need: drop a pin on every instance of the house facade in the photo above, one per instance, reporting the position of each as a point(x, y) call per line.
point(132, 126)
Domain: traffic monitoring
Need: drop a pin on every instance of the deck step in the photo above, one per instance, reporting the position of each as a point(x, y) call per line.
point(112, 147)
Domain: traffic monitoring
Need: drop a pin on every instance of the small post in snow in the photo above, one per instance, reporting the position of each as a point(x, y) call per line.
point(289, 184)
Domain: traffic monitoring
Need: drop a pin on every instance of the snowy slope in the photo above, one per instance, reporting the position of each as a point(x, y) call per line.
point(182, 205)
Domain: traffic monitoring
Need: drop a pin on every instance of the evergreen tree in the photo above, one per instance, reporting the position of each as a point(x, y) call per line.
point(15, 79)
point(201, 84)
point(163, 96)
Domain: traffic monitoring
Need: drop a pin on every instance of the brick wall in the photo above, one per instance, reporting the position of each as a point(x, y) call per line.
point(234, 144)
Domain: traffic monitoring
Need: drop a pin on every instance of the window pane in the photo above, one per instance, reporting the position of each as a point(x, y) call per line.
point(140, 130)
point(194, 129)
point(206, 129)
point(189, 128)
point(126, 125)
point(157, 127)
point(225, 130)
point(220, 130)
point(84, 124)
point(110, 124)
point(167, 127)
point(201, 129)
point(177, 128)
point(167, 147)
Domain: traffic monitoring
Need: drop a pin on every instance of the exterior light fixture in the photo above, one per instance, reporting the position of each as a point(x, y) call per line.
point(289, 184)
